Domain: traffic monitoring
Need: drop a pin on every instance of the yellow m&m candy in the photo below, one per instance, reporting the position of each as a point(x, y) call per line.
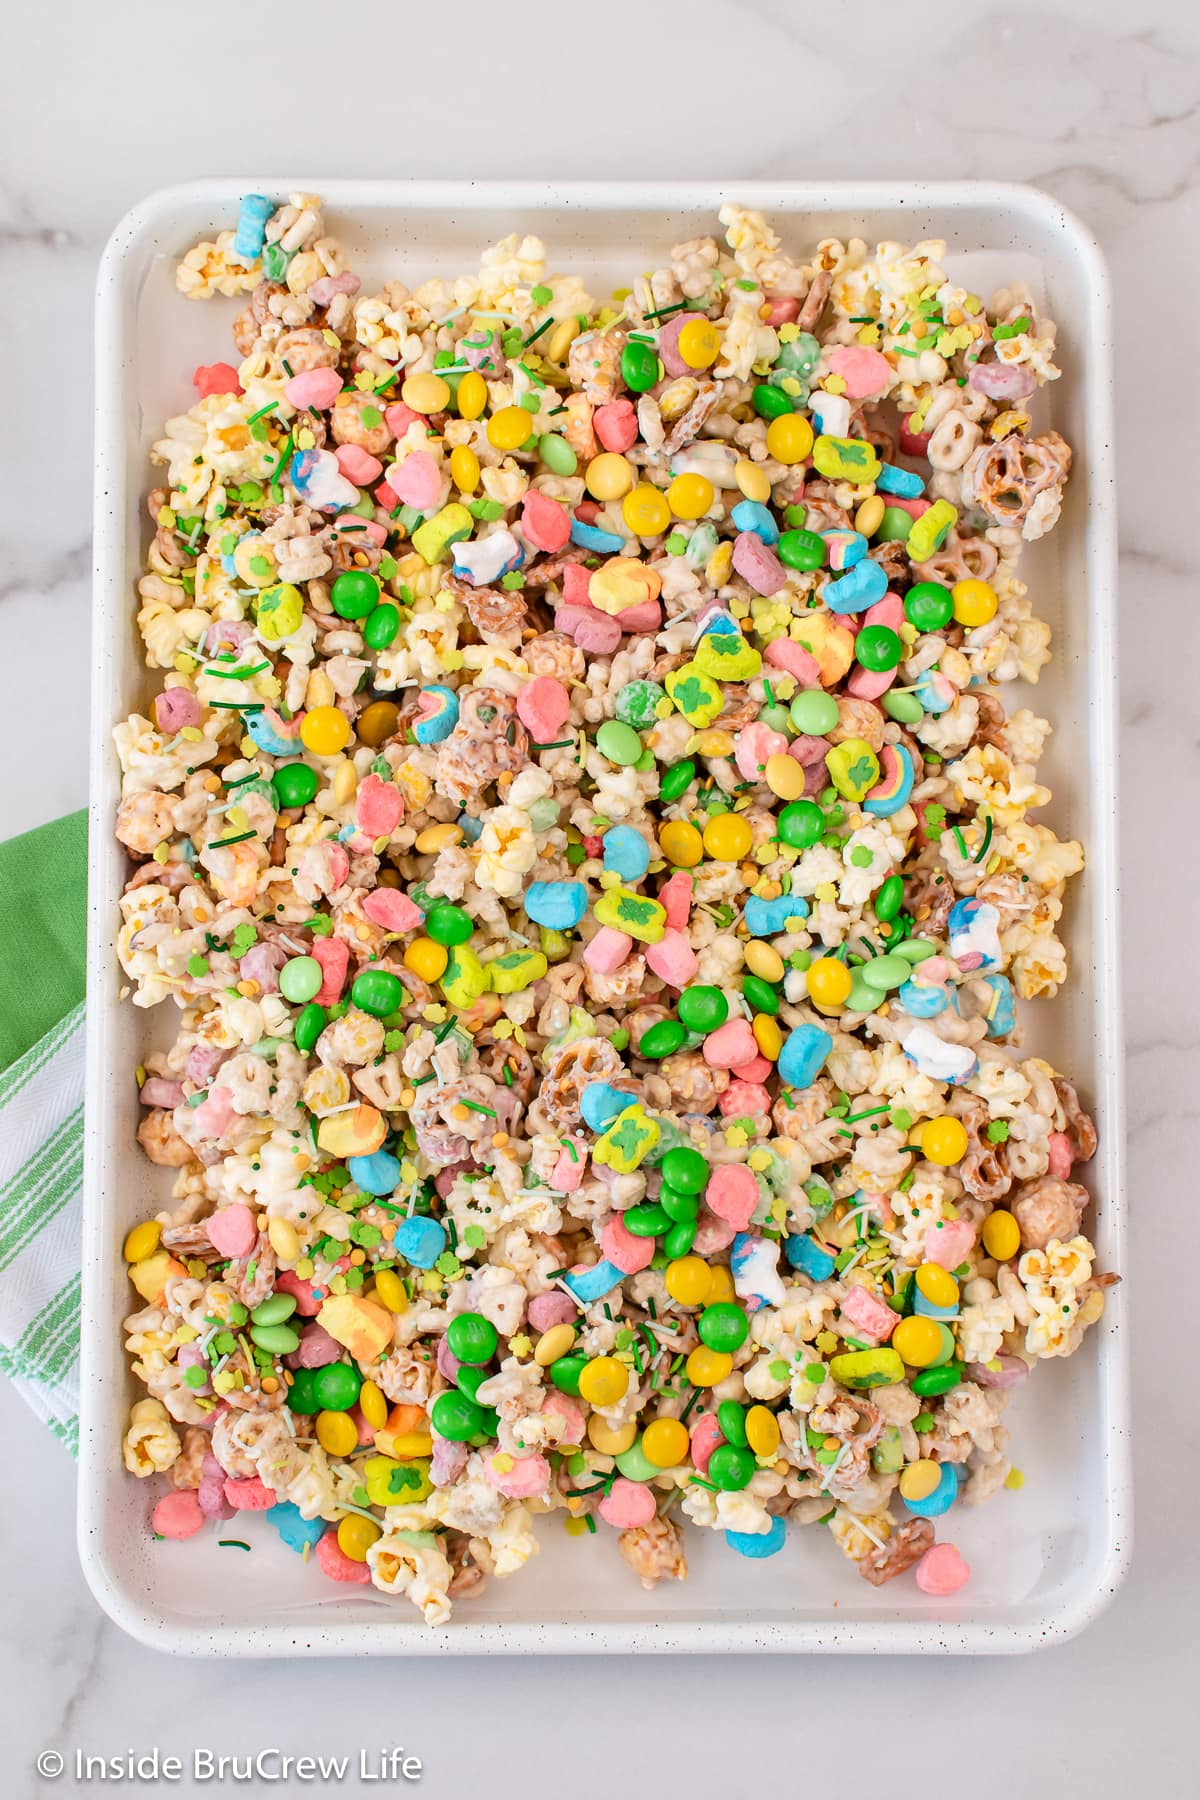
point(706, 1367)
point(603, 1381)
point(1001, 1236)
point(762, 1431)
point(681, 843)
point(472, 395)
point(337, 1433)
point(785, 777)
point(464, 468)
point(974, 602)
point(645, 511)
point(665, 1442)
point(426, 959)
point(509, 428)
point(699, 344)
point(690, 496)
point(944, 1141)
point(937, 1284)
point(325, 730)
point(608, 476)
point(920, 1479)
point(610, 1440)
point(752, 481)
point(829, 982)
point(727, 838)
point(427, 393)
point(355, 1535)
point(918, 1341)
point(789, 438)
point(688, 1280)
point(142, 1241)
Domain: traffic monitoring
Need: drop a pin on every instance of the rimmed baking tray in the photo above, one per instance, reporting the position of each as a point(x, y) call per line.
point(1045, 1560)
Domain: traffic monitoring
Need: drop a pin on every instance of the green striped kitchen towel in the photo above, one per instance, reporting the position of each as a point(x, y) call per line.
point(43, 908)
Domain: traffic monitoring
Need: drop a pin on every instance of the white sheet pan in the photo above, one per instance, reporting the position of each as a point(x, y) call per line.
point(1045, 1560)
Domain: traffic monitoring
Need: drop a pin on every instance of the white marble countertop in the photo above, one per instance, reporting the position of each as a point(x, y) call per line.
point(1096, 104)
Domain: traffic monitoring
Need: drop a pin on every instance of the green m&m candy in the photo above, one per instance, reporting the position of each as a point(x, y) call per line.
point(939, 1380)
point(680, 1207)
point(928, 606)
point(760, 994)
point(557, 454)
point(723, 1327)
point(619, 743)
point(456, 1416)
point(885, 972)
point(309, 1026)
point(635, 1465)
point(381, 626)
point(295, 784)
point(906, 709)
point(889, 899)
point(565, 1372)
point(814, 712)
point(679, 1239)
point(354, 594)
point(376, 991)
point(639, 366)
point(302, 1394)
point(878, 648)
point(731, 1469)
point(800, 824)
point(469, 1380)
point(702, 1008)
point(472, 1338)
point(676, 780)
point(662, 1039)
point(300, 979)
point(770, 402)
point(277, 1340)
point(647, 1220)
point(685, 1170)
point(336, 1387)
point(732, 1421)
point(803, 550)
point(449, 925)
point(895, 523)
